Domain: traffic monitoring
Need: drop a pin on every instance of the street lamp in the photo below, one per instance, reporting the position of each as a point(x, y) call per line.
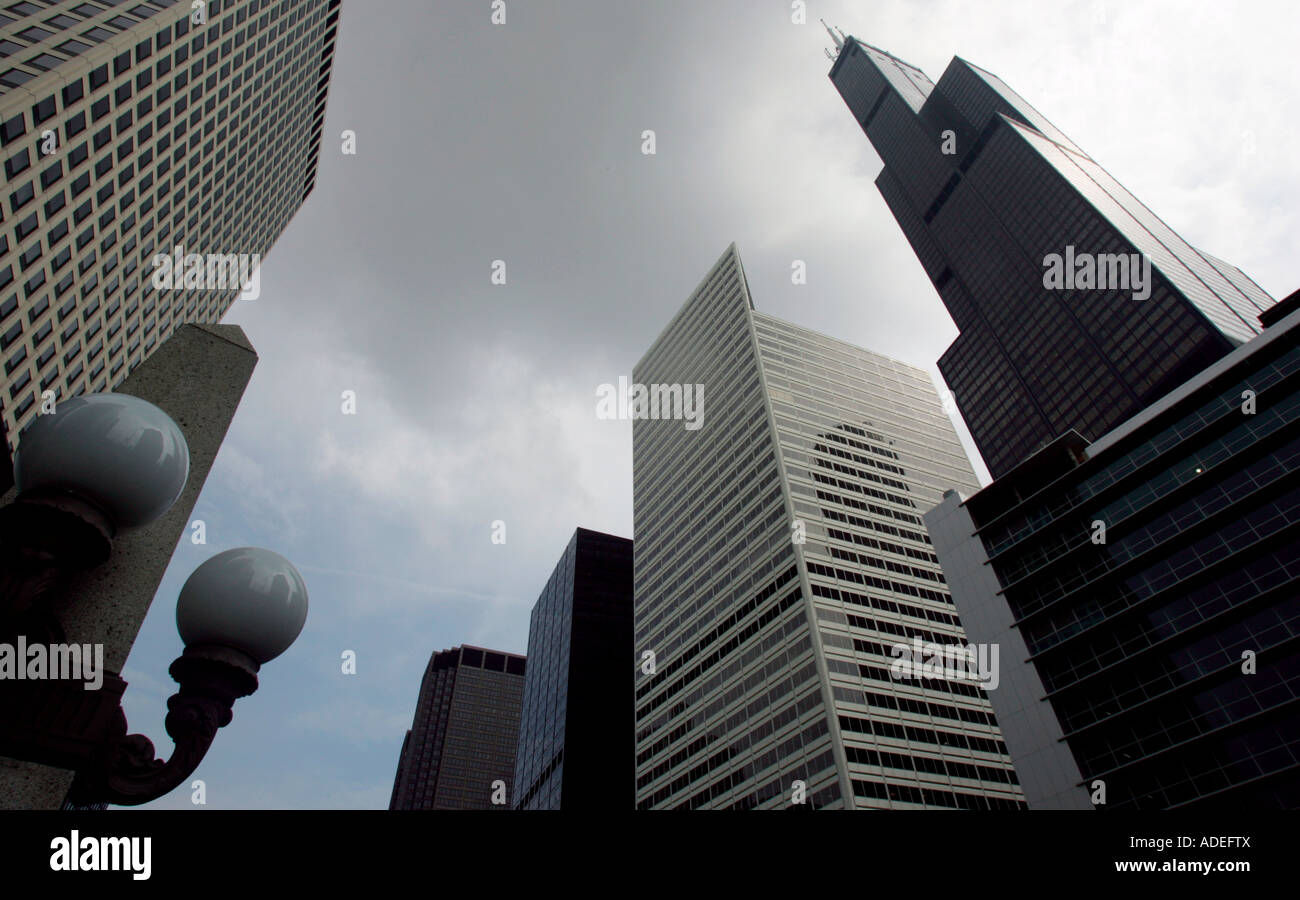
point(101, 463)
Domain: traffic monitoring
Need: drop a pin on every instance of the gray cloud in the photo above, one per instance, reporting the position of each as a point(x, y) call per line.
point(476, 402)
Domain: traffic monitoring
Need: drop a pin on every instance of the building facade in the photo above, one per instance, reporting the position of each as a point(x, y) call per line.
point(1037, 252)
point(1151, 583)
point(128, 131)
point(460, 751)
point(576, 730)
point(780, 559)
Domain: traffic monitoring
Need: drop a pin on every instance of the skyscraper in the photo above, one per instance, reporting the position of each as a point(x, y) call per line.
point(575, 730)
point(128, 131)
point(460, 751)
point(780, 557)
point(1030, 244)
point(1146, 588)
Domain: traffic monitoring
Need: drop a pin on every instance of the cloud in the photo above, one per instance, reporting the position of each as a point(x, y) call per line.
point(476, 402)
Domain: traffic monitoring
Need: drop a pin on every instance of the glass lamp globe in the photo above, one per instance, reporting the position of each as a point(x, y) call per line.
point(120, 452)
point(250, 599)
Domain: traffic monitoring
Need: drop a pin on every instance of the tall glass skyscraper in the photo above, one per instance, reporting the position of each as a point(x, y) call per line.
point(460, 751)
point(127, 130)
point(988, 192)
point(779, 557)
point(1146, 587)
point(575, 730)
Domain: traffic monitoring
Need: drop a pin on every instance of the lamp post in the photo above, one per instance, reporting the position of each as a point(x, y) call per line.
point(101, 463)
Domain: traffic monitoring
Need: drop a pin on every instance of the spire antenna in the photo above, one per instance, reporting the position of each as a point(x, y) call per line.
point(837, 38)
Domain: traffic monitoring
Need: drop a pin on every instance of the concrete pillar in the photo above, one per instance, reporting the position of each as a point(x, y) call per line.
point(197, 376)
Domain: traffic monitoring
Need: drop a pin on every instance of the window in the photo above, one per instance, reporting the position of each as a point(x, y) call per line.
point(16, 360)
point(75, 125)
point(54, 204)
point(72, 47)
point(13, 129)
point(21, 197)
point(35, 34)
point(51, 175)
point(99, 77)
point(26, 226)
point(35, 283)
point(22, 381)
point(30, 255)
point(38, 310)
point(43, 110)
point(13, 333)
point(15, 77)
point(73, 92)
point(44, 61)
point(17, 163)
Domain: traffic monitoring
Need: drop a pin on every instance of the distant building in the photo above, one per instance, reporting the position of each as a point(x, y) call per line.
point(576, 748)
point(989, 193)
point(463, 738)
point(1145, 589)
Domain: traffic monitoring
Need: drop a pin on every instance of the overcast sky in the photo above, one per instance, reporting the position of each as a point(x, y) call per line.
point(476, 402)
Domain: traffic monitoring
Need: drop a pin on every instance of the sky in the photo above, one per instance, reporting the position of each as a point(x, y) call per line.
point(475, 402)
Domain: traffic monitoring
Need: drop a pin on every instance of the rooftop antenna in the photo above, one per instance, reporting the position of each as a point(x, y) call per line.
point(837, 38)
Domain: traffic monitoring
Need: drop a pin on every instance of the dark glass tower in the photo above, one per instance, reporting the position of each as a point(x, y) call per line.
point(1145, 588)
point(463, 737)
point(986, 190)
point(576, 746)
